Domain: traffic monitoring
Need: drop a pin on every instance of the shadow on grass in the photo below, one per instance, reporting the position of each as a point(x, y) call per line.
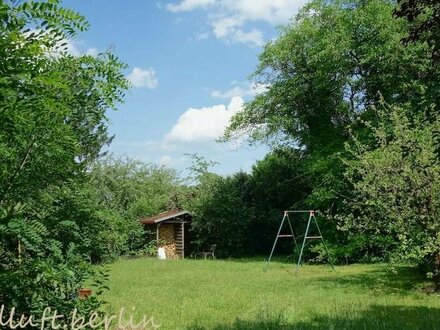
point(382, 279)
point(284, 259)
point(375, 318)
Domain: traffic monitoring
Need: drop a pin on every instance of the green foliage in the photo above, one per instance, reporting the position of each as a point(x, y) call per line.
point(127, 190)
point(199, 166)
point(326, 74)
point(424, 18)
point(52, 126)
point(396, 182)
point(36, 273)
point(327, 68)
point(357, 247)
point(241, 212)
point(219, 214)
point(277, 183)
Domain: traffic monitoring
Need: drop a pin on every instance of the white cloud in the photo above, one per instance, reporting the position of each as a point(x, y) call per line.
point(93, 51)
point(229, 17)
point(253, 37)
point(72, 47)
point(242, 90)
point(225, 26)
point(76, 48)
point(229, 28)
point(273, 11)
point(169, 161)
point(188, 5)
point(143, 78)
point(205, 124)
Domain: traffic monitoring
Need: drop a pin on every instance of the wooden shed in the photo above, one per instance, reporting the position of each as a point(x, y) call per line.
point(172, 232)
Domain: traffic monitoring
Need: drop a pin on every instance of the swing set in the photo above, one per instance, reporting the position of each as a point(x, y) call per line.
point(311, 219)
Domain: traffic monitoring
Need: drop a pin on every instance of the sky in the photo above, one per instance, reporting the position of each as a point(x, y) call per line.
point(189, 66)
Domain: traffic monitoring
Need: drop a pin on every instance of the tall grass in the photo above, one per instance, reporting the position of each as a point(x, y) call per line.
point(237, 294)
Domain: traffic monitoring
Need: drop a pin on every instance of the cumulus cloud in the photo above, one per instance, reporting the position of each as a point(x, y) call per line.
point(143, 78)
point(72, 47)
point(253, 37)
point(229, 29)
point(241, 90)
point(274, 11)
point(75, 48)
point(205, 124)
point(229, 18)
point(187, 5)
point(225, 26)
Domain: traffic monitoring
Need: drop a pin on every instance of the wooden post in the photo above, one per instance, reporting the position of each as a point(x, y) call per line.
point(157, 235)
point(183, 240)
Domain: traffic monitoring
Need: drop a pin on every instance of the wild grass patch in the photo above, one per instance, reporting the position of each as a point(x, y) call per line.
point(237, 294)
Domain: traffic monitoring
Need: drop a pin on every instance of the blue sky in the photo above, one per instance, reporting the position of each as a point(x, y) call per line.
point(189, 62)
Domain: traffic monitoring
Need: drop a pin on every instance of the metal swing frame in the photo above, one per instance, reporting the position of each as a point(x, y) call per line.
point(306, 237)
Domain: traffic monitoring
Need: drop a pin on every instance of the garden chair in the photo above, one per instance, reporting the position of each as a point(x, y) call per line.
point(209, 252)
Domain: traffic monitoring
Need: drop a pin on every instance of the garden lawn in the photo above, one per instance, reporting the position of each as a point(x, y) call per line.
point(238, 294)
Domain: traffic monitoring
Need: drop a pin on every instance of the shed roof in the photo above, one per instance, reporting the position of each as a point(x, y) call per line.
point(164, 216)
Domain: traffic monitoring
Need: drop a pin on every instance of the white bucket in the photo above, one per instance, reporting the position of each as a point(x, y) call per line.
point(161, 253)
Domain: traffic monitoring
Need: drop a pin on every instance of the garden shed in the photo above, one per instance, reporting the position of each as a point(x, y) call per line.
point(172, 232)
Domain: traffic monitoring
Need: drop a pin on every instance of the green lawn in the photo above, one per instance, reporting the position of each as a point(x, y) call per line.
point(237, 294)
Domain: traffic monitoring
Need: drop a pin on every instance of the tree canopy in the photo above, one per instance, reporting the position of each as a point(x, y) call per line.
point(330, 65)
point(326, 76)
point(53, 125)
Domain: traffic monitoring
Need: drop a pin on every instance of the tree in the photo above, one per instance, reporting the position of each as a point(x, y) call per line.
point(396, 186)
point(220, 216)
point(334, 62)
point(130, 189)
point(277, 183)
point(52, 126)
point(241, 212)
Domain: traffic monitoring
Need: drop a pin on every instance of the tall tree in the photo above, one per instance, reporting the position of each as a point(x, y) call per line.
point(326, 69)
point(52, 125)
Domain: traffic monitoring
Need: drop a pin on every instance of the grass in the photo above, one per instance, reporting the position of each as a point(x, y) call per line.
point(237, 294)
